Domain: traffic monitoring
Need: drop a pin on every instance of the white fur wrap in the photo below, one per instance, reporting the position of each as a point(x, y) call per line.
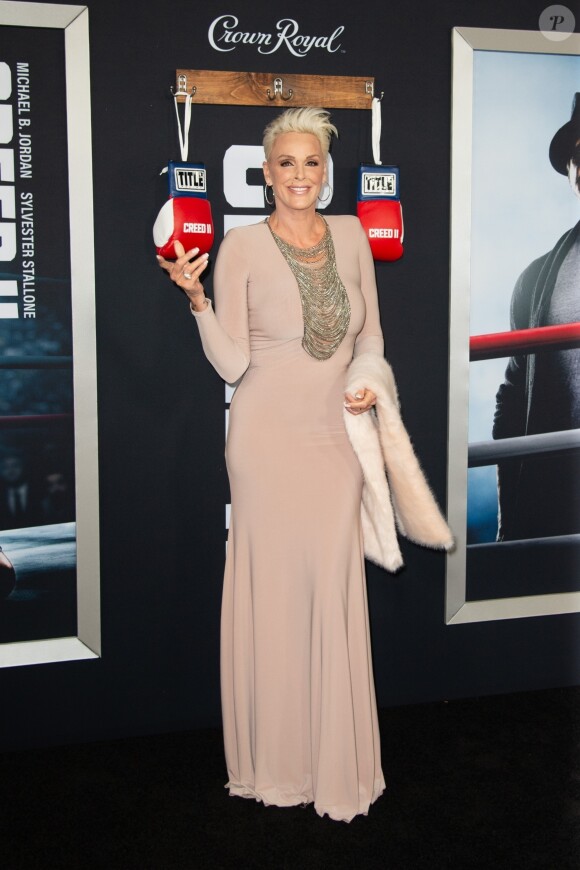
point(401, 498)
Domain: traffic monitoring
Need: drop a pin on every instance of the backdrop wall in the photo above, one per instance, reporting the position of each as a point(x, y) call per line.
point(161, 406)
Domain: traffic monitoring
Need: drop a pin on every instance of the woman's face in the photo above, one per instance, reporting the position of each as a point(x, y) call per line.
point(296, 169)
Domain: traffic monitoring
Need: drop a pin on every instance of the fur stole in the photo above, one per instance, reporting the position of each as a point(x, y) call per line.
point(401, 498)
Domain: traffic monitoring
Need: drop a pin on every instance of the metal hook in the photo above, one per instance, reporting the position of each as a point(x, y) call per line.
point(182, 87)
point(370, 90)
point(278, 91)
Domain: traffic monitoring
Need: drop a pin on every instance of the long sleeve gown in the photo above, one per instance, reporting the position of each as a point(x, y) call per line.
point(298, 700)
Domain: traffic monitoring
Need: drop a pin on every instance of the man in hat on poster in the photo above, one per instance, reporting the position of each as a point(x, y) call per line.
point(539, 496)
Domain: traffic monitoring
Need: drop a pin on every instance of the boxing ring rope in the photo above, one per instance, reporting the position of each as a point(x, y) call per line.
point(526, 566)
point(36, 362)
point(524, 545)
point(497, 344)
point(483, 453)
point(28, 420)
point(490, 452)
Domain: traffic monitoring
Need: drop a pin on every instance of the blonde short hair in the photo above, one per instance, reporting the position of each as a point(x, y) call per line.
point(305, 120)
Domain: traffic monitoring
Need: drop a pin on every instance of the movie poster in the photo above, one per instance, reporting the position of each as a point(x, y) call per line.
point(521, 207)
point(37, 466)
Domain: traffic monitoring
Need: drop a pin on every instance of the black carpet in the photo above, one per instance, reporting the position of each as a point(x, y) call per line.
point(481, 783)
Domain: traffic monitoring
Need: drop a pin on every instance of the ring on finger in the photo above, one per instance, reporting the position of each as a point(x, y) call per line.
point(187, 276)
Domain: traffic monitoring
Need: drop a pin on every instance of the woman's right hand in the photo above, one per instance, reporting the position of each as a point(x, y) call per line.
point(185, 272)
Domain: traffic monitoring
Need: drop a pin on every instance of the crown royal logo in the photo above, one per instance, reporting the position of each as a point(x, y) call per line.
point(223, 35)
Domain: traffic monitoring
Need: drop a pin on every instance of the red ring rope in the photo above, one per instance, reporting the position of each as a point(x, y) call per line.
point(498, 344)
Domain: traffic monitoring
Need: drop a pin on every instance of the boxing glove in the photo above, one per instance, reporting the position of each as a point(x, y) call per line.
point(379, 210)
point(186, 216)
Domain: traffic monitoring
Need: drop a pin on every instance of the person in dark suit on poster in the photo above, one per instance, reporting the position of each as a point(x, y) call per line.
point(19, 508)
point(20, 504)
point(539, 496)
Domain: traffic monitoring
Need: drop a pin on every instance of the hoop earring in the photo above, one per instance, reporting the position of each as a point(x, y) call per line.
point(266, 186)
point(329, 194)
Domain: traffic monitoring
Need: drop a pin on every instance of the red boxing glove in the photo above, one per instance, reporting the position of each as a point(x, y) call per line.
point(186, 219)
point(186, 216)
point(379, 211)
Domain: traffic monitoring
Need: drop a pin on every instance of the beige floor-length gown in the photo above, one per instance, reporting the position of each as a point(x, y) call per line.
point(298, 700)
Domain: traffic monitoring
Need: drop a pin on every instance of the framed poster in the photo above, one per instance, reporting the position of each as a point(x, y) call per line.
point(49, 520)
point(512, 91)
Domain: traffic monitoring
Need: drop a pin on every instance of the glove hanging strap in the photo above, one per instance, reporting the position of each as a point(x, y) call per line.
point(376, 130)
point(183, 133)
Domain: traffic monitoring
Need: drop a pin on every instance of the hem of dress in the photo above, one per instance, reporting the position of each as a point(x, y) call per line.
point(277, 800)
point(346, 814)
point(336, 813)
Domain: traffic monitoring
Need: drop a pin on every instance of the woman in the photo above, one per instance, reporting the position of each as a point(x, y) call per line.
point(295, 300)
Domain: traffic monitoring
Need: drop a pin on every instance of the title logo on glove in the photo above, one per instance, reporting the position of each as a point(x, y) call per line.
point(223, 35)
point(189, 179)
point(379, 184)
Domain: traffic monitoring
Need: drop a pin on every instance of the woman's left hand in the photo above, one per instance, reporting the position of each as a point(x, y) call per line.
point(363, 400)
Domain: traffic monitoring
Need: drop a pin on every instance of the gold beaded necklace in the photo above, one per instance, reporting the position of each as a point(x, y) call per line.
point(325, 305)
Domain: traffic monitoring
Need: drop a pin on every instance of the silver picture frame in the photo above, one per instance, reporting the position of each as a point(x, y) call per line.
point(466, 42)
point(74, 21)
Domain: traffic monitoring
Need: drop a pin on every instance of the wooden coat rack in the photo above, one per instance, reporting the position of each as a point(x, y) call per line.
point(274, 89)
